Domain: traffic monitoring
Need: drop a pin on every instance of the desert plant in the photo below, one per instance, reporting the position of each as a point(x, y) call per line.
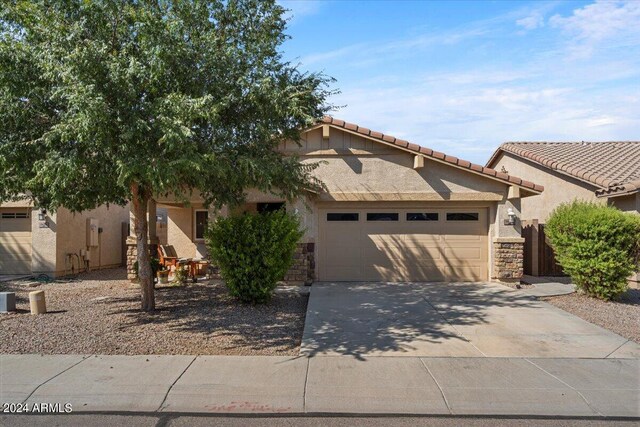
point(181, 274)
point(253, 252)
point(596, 245)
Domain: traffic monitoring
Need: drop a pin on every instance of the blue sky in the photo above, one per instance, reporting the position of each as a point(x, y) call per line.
point(463, 77)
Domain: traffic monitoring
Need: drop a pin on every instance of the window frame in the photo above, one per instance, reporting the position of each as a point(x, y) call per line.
point(195, 224)
point(357, 217)
point(437, 214)
point(396, 219)
point(476, 214)
point(15, 215)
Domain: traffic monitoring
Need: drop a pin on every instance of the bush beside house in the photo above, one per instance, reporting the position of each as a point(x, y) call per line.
point(253, 252)
point(598, 246)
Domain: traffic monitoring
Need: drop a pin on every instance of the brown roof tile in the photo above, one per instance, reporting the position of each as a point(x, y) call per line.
point(614, 167)
point(464, 164)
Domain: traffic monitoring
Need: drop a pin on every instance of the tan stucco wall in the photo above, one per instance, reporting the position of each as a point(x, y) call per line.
point(356, 168)
point(180, 231)
point(558, 188)
point(72, 236)
point(630, 203)
point(66, 233)
point(43, 244)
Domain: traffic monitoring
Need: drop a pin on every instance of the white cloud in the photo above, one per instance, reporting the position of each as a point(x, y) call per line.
point(615, 22)
point(574, 84)
point(602, 121)
point(531, 22)
point(471, 121)
point(367, 54)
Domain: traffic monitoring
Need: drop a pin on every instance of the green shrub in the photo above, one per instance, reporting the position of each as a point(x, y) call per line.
point(596, 245)
point(253, 252)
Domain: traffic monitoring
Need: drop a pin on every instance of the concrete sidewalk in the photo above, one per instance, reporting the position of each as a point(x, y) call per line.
point(263, 384)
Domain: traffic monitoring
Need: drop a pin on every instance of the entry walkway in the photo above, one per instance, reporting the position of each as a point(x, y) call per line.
point(265, 384)
point(448, 320)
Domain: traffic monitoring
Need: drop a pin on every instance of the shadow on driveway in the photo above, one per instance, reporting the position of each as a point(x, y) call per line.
point(444, 320)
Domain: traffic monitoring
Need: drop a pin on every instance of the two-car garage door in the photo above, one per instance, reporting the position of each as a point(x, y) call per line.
point(15, 241)
point(406, 244)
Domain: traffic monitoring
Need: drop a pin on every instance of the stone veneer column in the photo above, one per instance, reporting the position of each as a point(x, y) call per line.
point(132, 250)
point(304, 264)
point(508, 258)
point(132, 253)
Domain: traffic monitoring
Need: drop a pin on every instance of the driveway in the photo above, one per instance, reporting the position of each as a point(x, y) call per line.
point(448, 320)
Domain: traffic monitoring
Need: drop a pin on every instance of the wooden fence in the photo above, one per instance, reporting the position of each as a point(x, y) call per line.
point(539, 259)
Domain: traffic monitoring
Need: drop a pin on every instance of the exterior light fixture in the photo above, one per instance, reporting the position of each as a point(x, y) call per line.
point(42, 216)
point(511, 217)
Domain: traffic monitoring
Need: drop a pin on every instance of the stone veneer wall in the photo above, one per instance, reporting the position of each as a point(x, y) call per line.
point(132, 254)
point(508, 259)
point(304, 264)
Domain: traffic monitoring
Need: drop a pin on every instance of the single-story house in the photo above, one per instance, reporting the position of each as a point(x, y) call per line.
point(605, 172)
point(392, 211)
point(33, 241)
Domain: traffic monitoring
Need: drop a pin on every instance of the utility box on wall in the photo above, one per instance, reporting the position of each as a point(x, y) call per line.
point(92, 232)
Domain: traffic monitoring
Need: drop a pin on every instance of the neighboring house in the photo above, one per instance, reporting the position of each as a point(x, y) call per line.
point(604, 172)
point(392, 211)
point(57, 244)
point(607, 172)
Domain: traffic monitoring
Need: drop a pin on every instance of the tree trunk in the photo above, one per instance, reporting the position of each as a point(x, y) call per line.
point(140, 201)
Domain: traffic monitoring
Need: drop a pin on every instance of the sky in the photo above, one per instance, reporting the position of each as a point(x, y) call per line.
point(463, 77)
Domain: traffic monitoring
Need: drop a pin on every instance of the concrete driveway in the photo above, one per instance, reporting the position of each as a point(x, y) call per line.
point(448, 320)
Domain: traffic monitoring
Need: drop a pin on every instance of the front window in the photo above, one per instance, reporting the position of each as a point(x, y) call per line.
point(269, 207)
point(202, 217)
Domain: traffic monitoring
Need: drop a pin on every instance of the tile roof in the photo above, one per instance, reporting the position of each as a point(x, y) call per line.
point(613, 167)
point(436, 155)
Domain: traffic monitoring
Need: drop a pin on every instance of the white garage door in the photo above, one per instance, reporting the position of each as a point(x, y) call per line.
point(15, 241)
point(403, 244)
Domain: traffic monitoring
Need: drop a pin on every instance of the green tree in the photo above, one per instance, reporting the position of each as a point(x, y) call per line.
point(111, 101)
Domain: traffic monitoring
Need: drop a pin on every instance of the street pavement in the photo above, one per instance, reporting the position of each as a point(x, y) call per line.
point(171, 420)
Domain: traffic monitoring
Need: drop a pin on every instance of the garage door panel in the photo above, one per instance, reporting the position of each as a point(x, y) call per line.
point(15, 241)
point(422, 240)
point(419, 250)
point(467, 238)
point(379, 252)
point(424, 273)
point(400, 256)
point(467, 254)
point(465, 273)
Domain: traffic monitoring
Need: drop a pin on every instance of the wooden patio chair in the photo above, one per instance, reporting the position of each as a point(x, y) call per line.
point(168, 256)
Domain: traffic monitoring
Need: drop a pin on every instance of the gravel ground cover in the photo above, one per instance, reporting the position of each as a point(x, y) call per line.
point(621, 317)
point(100, 314)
